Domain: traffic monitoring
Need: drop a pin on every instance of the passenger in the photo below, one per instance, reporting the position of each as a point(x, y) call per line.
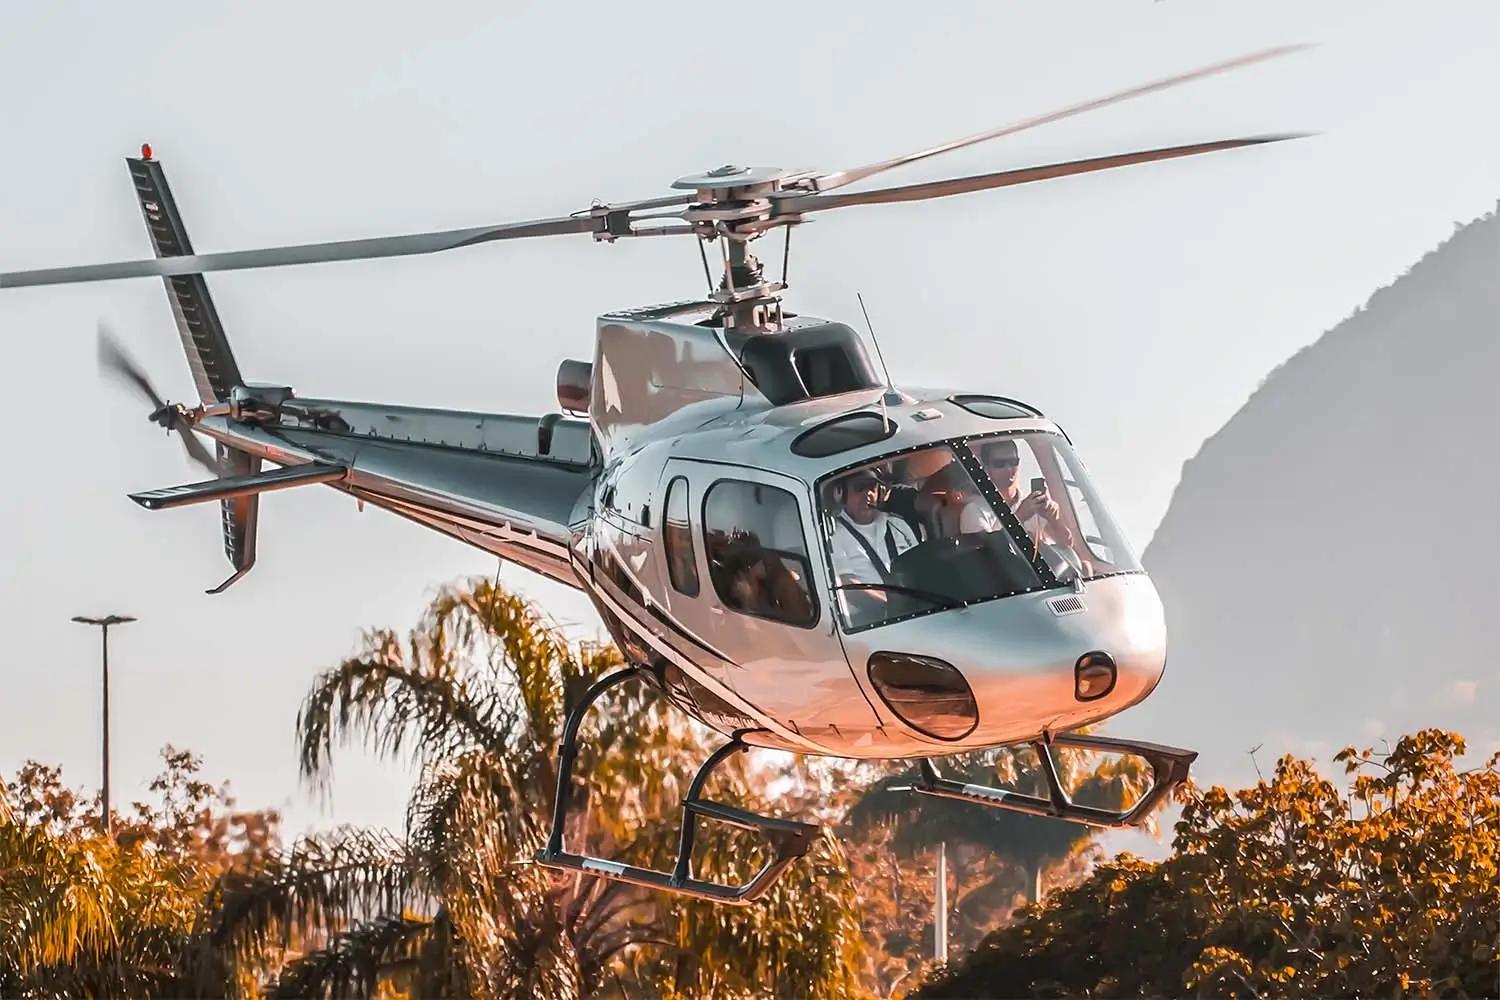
point(866, 540)
point(1037, 511)
point(918, 495)
point(760, 583)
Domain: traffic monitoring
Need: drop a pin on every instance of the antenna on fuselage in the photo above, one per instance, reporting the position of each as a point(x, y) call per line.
point(890, 397)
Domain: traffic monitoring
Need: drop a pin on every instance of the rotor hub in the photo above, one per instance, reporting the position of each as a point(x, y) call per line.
point(731, 176)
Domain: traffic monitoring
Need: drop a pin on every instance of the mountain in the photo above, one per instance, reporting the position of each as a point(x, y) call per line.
point(1330, 561)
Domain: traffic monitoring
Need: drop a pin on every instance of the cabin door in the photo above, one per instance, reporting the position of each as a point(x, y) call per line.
point(740, 580)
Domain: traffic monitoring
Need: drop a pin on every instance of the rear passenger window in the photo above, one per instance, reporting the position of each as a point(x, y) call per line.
point(677, 536)
point(757, 557)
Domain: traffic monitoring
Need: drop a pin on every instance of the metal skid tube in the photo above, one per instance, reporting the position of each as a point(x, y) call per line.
point(790, 839)
point(1169, 768)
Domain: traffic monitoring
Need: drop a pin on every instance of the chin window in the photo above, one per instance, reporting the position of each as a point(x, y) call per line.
point(927, 694)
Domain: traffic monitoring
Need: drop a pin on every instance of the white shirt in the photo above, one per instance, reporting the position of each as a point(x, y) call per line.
point(851, 559)
point(978, 515)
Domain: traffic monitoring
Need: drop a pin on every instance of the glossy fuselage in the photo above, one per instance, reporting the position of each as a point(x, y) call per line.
point(584, 506)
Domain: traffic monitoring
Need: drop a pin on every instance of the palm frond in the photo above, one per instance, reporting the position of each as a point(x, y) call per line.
point(477, 799)
point(354, 963)
point(318, 887)
point(87, 915)
point(525, 652)
point(53, 909)
point(391, 700)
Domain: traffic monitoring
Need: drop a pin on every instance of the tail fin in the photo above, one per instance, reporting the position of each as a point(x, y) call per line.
point(215, 372)
point(212, 362)
point(239, 516)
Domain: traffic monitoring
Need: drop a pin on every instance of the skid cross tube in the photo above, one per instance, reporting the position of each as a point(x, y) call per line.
point(1169, 768)
point(790, 839)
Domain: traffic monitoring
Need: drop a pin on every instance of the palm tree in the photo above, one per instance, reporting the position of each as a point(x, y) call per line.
point(84, 914)
point(476, 697)
point(87, 916)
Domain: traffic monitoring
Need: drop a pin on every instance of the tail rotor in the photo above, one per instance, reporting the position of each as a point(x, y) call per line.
point(115, 362)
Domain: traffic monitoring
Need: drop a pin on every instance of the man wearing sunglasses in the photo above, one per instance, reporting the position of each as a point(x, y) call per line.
point(1037, 511)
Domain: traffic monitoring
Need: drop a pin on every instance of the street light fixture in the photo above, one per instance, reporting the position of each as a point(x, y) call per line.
point(103, 625)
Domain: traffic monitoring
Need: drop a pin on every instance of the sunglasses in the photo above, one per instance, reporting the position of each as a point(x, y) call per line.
point(1002, 463)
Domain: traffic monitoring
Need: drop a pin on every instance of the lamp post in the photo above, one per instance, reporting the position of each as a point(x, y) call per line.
point(104, 624)
point(940, 906)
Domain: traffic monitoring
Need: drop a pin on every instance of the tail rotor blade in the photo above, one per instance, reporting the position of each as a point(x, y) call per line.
point(196, 450)
point(115, 362)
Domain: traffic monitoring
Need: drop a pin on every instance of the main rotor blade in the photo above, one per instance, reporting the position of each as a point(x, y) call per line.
point(837, 179)
point(1007, 178)
point(309, 253)
point(114, 360)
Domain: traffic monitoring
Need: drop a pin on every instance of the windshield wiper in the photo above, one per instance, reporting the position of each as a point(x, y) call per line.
point(941, 600)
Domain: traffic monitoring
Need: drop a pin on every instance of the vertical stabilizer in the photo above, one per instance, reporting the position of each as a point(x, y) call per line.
point(209, 358)
point(239, 515)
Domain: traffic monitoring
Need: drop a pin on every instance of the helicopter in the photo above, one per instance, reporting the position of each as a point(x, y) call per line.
point(792, 549)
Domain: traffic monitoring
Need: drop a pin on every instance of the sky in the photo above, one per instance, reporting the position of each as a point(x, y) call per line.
point(1139, 308)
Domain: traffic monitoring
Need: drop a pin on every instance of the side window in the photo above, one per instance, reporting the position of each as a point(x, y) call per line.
point(677, 536)
point(1107, 556)
point(757, 556)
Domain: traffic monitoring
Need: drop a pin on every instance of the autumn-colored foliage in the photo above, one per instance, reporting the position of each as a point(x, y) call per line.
point(82, 914)
point(1384, 882)
point(1294, 887)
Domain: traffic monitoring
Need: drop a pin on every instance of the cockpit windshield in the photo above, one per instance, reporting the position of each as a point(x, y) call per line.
point(962, 522)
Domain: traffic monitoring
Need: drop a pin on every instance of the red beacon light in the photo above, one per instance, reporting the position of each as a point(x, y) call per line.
point(145, 150)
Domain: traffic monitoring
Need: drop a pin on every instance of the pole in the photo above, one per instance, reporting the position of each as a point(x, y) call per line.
point(106, 817)
point(940, 917)
point(106, 821)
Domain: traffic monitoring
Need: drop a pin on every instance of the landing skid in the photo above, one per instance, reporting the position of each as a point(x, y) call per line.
point(789, 839)
point(1169, 767)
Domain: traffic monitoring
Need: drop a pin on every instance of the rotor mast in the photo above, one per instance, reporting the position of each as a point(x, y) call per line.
point(733, 205)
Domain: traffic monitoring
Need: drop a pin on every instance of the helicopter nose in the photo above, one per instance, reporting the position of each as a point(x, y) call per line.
point(1078, 659)
point(1050, 661)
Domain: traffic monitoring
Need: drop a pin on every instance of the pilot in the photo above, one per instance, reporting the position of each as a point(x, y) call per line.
point(866, 540)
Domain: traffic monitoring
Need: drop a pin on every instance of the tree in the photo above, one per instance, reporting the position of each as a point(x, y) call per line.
point(1287, 888)
point(476, 695)
point(82, 914)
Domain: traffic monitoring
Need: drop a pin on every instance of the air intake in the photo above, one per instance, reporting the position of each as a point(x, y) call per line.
point(1066, 605)
point(575, 381)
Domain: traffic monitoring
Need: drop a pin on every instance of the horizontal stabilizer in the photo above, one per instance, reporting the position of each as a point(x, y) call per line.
point(239, 486)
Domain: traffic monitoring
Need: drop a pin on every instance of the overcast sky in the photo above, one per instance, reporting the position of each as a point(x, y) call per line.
point(1138, 308)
